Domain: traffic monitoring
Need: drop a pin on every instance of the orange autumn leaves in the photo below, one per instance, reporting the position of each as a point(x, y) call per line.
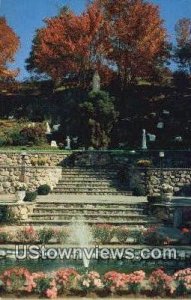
point(124, 37)
point(9, 44)
point(70, 44)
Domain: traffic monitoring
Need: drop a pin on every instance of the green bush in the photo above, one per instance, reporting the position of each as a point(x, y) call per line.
point(103, 233)
point(16, 139)
point(122, 234)
point(30, 196)
point(45, 235)
point(4, 237)
point(139, 190)
point(44, 189)
point(61, 236)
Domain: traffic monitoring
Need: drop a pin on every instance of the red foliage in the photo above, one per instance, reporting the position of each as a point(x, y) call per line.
point(9, 44)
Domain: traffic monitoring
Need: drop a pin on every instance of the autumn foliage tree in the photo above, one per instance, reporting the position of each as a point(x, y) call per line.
point(70, 45)
point(137, 36)
point(124, 37)
point(9, 44)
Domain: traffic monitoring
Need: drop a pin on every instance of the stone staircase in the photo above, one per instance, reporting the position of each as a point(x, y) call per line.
point(93, 194)
point(90, 180)
point(116, 210)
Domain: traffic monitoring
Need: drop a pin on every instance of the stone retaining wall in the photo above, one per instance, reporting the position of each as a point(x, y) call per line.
point(33, 159)
point(177, 178)
point(11, 177)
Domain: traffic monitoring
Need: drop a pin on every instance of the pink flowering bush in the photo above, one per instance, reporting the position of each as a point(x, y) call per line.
point(45, 285)
point(17, 279)
point(103, 233)
point(115, 281)
point(161, 283)
point(90, 281)
point(182, 280)
point(66, 280)
point(135, 281)
point(27, 235)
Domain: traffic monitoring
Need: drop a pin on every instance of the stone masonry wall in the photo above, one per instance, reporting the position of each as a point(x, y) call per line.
point(177, 178)
point(32, 159)
point(37, 169)
point(10, 177)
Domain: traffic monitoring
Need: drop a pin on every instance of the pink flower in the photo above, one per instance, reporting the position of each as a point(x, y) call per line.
point(52, 293)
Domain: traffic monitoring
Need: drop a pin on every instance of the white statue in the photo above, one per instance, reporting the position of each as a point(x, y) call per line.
point(160, 125)
point(144, 140)
point(96, 84)
point(166, 112)
point(152, 137)
point(68, 145)
point(178, 139)
point(48, 129)
point(54, 144)
point(56, 127)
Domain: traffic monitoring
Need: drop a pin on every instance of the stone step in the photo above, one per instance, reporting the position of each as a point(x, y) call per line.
point(89, 214)
point(90, 170)
point(89, 177)
point(86, 209)
point(87, 180)
point(85, 184)
point(112, 222)
point(103, 193)
point(105, 202)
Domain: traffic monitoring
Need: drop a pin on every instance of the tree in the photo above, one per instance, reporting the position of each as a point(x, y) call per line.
point(183, 48)
point(70, 46)
point(9, 44)
point(99, 116)
point(183, 32)
point(138, 38)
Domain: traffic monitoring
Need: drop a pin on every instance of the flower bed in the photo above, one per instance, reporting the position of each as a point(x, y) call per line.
point(22, 282)
point(101, 234)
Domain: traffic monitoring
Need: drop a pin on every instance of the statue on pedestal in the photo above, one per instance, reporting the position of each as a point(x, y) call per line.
point(96, 84)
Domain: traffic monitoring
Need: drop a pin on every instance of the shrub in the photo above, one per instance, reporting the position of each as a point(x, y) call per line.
point(4, 237)
point(181, 79)
point(161, 283)
point(61, 235)
point(41, 161)
point(103, 233)
point(183, 282)
point(115, 281)
point(65, 279)
point(35, 135)
point(45, 235)
point(122, 234)
point(44, 189)
point(45, 285)
point(144, 163)
point(90, 281)
point(135, 281)
point(16, 139)
point(27, 235)
point(139, 190)
point(30, 196)
point(17, 279)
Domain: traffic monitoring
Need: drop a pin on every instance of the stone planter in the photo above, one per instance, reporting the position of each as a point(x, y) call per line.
point(20, 195)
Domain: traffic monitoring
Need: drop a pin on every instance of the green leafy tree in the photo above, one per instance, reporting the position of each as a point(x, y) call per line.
point(99, 116)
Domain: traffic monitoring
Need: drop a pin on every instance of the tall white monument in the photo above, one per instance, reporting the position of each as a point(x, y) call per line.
point(144, 140)
point(96, 84)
